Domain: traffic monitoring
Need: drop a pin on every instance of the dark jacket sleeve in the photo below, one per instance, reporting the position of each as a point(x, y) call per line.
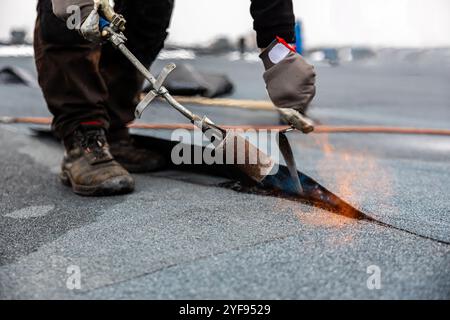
point(273, 18)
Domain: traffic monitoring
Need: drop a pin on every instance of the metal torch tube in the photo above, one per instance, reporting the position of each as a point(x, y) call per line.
point(164, 92)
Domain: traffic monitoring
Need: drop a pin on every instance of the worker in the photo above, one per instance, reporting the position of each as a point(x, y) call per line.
point(92, 90)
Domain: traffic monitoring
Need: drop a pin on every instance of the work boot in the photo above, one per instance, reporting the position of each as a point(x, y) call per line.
point(90, 169)
point(132, 157)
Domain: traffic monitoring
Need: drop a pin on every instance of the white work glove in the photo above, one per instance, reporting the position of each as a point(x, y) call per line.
point(290, 80)
point(89, 23)
point(90, 26)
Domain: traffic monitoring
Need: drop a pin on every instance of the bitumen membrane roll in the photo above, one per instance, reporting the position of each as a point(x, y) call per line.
point(279, 185)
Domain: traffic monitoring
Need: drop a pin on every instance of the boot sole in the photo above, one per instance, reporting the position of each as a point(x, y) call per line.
point(114, 186)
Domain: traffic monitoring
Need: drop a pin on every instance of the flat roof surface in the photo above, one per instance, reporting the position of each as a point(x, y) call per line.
point(180, 236)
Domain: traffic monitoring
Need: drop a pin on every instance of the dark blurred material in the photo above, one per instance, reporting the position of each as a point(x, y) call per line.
point(242, 45)
point(186, 80)
point(17, 75)
point(18, 37)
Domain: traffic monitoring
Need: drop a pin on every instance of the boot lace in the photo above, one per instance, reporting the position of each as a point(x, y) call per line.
point(93, 141)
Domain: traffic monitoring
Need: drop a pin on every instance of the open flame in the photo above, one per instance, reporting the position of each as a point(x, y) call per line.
point(357, 177)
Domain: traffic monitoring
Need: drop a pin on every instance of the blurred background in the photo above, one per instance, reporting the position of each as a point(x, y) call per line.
point(381, 23)
point(372, 57)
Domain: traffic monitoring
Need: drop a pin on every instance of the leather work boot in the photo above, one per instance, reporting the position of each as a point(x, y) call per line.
point(90, 169)
point(132, 157)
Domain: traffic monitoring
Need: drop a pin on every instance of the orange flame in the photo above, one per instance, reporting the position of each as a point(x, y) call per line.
point(351, 175)
point(355, 176)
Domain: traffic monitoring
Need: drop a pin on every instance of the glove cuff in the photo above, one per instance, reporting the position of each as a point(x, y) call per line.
point(277, 51)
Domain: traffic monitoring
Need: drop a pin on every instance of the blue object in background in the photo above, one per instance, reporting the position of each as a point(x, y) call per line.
point(299, 36)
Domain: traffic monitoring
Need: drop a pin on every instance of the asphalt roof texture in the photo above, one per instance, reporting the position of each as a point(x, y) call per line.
point(181, 236)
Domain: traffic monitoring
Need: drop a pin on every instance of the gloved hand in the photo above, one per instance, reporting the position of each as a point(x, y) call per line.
point(89, 20)
point(90, 26)
point(290, 80)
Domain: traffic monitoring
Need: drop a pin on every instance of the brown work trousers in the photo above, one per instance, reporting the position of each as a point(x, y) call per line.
point(83, 82)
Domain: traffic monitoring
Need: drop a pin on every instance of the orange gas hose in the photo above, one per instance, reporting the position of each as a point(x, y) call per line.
point(318, 129)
